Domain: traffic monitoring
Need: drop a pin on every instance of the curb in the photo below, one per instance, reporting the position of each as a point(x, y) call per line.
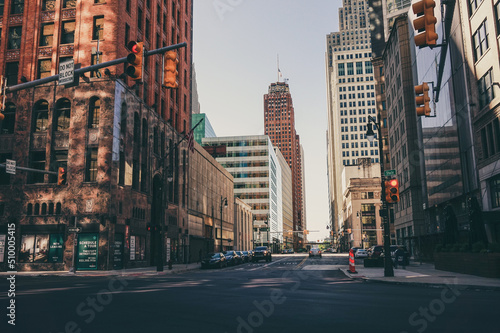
point(424, 284)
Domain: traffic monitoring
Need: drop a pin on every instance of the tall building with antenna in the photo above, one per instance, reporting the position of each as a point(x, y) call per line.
point(279, 125)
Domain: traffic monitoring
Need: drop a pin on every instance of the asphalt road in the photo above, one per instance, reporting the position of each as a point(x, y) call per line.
point(293, 293)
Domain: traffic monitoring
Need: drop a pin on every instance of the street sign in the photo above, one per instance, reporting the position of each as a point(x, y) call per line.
point(66, 72)
point(75, 229)
point(390, 173)
point(10, 166)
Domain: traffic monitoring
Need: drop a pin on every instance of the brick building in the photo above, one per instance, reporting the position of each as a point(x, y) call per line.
point(116, 137)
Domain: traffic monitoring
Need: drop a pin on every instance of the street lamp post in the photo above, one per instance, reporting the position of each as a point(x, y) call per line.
point(370, 135)
point(223, 204)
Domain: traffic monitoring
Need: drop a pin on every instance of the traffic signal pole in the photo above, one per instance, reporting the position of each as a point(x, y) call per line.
point(388, 269)
point(92, 68)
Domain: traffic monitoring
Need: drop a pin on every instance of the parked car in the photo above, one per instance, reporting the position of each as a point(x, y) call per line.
point(315, 252)
point(406, 253)
point(246, 255)
point(375, 251)
point(262, 252)
point(361, 253)
point(214, 260)
point(232, 258)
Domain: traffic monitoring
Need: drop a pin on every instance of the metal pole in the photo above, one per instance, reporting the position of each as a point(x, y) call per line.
point(388, 269)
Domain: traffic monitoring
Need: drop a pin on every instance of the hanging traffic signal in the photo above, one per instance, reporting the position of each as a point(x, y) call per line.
point(170, 72)
point(134, 59)
point(61, 176)
point(425, 23)
point(422, 100)
point(392, 191)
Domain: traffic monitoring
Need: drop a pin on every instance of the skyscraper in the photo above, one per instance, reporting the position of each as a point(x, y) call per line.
point(279, 125)
point(351, 98)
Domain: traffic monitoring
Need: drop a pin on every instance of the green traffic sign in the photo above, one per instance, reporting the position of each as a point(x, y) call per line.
point(390, 173)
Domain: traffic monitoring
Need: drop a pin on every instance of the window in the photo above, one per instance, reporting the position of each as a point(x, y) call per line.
point(123, 120)
point(11, 72)
point(497, 16)
point(96, 59)
point(48, 5)
point(495, 191)
point(69, 3)
point(14, 42)
point(473, 4)
point(7, 125)
point(41, 116)
point(144, 132)
point(2, 5)
point(480, 39)
point(127, 6)
point(127, 34)
point(350, 68)
point(359, 67)
point(99, 1)
point(368, 67)
point(62, 115)
point(37, 161)
point(68, 32)
point(5, 177)
point(121, 176)
point(44, 68)
point(47, 34)
point(139, 19)
point(485, 87)
point(17, 7)
point(98, 28)
point(94, 112)
point(341, 69)
point(91, 165)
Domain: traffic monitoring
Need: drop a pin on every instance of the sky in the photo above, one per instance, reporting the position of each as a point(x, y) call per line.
point(236, 44)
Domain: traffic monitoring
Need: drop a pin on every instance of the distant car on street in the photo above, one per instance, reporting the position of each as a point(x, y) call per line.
point(361, 253)
point(262, 253)
point(315, 252)
point(232, 258)
point(375, 251)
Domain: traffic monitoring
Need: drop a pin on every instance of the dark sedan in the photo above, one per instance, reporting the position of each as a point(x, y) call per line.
point(246, 256)
point(214, 260)
point(232, 258)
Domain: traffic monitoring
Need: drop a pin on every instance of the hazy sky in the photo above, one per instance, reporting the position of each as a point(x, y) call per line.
point(236, 43)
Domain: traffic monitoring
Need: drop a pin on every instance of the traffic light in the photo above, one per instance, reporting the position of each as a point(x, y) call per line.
point(134, 59)
point(425, 23)
point(422, 100)
point(170, 72)
point(61, 176)
point(392, 191)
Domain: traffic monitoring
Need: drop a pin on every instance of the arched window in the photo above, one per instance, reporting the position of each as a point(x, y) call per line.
point(137, 128)
point(144, 132)
point(44, 209)
point(51, 208)
point(37, 209)
point(155, 141)
point(58, 208)
point(62, 115)
point(29, 211)
point(41, 116)
point(94, 112)
point(123, 120)
point(7, 125)
point(162, 152)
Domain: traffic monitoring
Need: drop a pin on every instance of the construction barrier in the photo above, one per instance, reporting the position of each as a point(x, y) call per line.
point(352, 268)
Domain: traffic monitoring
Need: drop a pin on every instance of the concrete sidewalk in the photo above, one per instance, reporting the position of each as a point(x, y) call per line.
point(423, 274)
point(176, 268)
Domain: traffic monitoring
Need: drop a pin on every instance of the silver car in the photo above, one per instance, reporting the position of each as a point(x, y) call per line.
point(315, 252)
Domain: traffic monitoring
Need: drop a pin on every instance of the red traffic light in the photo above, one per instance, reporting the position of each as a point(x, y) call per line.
point(135, 59)
point(391, 191)
point(61, 176)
